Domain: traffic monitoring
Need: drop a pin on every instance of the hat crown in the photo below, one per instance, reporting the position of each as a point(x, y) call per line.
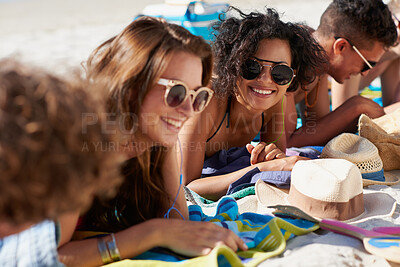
point(331, 180)
point(327, 188)
point(355, 149)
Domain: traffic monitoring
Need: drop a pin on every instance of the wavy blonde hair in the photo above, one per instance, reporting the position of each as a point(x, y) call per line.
point(130, 64)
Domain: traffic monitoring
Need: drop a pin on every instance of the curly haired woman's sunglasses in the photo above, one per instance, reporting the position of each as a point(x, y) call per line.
point(281, 73)
point(177, 92)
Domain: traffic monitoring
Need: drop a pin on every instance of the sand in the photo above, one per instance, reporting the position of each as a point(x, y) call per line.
point(58, 35)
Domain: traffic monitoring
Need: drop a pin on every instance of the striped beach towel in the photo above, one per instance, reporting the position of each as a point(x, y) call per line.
point(265, 235)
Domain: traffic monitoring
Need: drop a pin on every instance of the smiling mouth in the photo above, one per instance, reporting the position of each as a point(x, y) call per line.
point(262, 92)
point(174, 123)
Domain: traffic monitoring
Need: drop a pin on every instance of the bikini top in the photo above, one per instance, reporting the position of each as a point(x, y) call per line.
point(227, 114)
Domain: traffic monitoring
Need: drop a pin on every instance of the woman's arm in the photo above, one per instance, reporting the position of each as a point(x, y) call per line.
point(131, 242)
point(215, 187)
point(185, 237)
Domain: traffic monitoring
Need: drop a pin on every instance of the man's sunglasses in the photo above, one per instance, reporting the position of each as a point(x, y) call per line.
point(281, 73)
point(177, 92)
point(367, 64)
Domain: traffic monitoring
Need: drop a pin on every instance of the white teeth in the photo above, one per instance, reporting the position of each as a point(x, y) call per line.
point(263, 92)
point(177, 124)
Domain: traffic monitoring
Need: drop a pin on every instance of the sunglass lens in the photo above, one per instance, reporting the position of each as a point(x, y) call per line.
point(250, 69)
point(200, 101)
point(366, 67)
point(176, 95)
point(282, 74)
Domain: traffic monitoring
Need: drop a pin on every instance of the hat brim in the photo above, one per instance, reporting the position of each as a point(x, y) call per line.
point(391, 178)
point(376, 204)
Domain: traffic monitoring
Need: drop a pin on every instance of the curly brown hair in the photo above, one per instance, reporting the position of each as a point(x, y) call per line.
point(49, 165)
point(130, 64)
point(236, 38)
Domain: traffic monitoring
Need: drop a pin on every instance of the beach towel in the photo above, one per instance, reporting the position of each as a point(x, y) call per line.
point(311, 152)
point(237, 158)
point(195, 199)
point(246, 200)
point(220, 256)
point(265, 236)
point(280, 179)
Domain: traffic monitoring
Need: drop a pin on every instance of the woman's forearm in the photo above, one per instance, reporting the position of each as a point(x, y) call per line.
point(215, 187)
point(130, 242)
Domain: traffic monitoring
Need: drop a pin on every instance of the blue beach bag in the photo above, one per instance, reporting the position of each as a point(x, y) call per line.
point(197, 16)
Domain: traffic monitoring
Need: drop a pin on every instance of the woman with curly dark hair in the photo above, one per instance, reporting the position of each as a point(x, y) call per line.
point(156, 73)
point(258, 59)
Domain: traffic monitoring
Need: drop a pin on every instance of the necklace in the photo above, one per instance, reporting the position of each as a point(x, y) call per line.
point(308, 105)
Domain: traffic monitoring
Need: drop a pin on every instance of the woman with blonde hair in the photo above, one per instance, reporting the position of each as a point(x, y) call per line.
point(156, 73)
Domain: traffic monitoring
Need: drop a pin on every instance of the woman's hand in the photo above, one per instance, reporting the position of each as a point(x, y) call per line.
point(263, 152)
point(284, 164)
point(195, 238)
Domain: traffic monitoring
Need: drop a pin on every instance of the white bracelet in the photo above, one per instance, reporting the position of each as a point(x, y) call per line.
point(113, 249)
point(104, 252)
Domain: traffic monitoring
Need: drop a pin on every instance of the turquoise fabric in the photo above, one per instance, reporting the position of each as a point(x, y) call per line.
point(265, 236)
point(196, 199)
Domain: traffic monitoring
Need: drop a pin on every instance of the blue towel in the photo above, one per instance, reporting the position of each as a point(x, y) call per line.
point(265, 236)
point(237, 158)
point(279, 178)
point(311, 152)
point(226, 161)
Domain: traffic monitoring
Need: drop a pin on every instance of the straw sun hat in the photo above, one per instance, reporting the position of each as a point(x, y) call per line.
point(384, 133)
point(363, 154)
point(330, 189)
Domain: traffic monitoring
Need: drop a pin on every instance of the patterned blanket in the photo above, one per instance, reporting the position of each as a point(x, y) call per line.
point(265, 236)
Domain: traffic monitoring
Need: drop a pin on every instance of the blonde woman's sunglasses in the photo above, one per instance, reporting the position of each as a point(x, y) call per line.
point(177, 92)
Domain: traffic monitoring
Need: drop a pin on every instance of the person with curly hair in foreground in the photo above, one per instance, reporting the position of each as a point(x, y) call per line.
point(50, 168)
point(258, 60)
point(355, 34)
point(156, 73)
